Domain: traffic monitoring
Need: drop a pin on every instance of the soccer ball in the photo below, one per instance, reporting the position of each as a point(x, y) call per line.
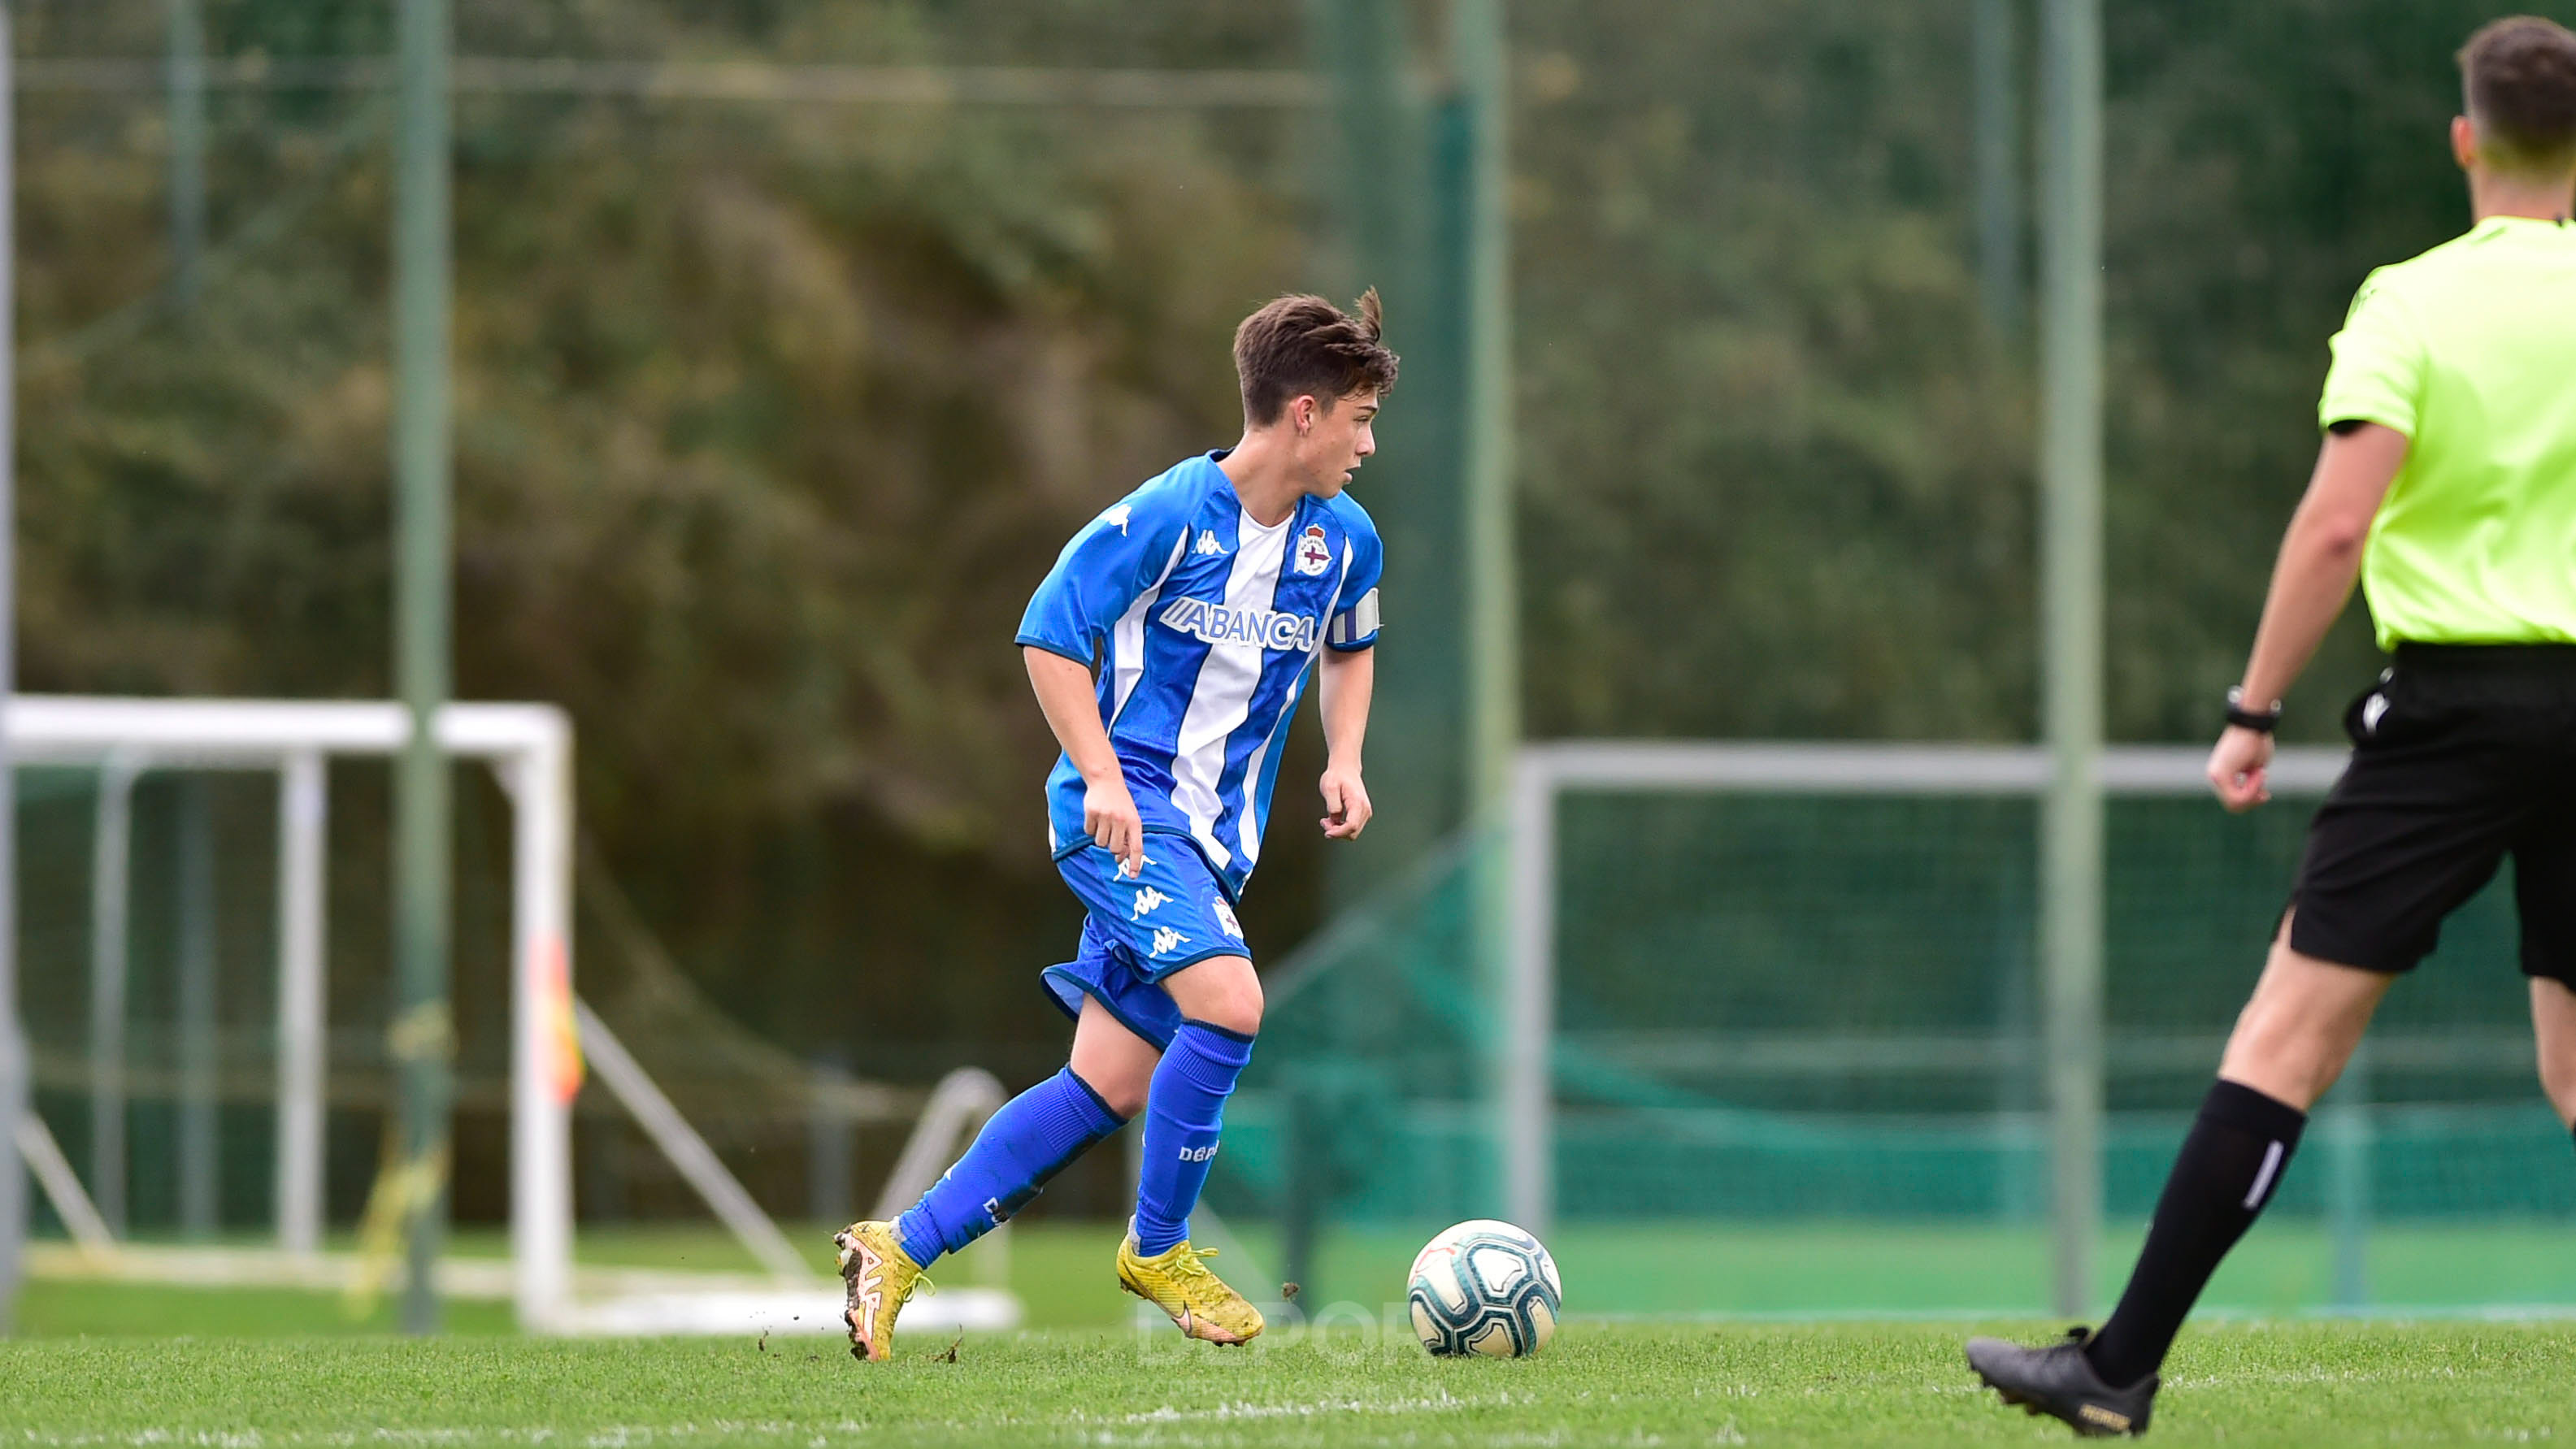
point(1487, 1288)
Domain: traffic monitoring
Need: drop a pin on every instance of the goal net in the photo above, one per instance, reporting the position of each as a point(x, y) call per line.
point(205, 1001)
point(1757, 1028)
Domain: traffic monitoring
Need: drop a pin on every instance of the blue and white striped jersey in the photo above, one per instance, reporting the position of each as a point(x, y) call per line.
point(1204, 625)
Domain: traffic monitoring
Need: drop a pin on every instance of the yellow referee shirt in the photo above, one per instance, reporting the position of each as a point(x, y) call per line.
point(2470, 351)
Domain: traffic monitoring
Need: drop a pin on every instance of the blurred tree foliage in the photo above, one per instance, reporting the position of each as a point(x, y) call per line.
point(770, 416)
point(1777, 468)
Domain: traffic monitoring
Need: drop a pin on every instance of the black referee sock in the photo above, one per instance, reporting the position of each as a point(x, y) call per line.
point(2227, 1170)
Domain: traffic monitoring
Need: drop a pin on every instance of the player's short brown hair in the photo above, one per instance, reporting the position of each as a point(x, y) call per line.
point(1304, 346)
point(2519, 74)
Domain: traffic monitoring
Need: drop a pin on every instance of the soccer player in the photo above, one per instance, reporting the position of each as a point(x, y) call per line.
point(2448, 483)
point(1168, 648)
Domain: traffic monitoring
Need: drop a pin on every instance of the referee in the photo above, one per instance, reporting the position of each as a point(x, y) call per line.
point(2447, 482)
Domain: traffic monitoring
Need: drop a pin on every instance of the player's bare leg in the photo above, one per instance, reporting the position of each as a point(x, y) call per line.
point(2301, 1026)
point(1220, 1002)
point(2553, 1028)
point(1111, 1060)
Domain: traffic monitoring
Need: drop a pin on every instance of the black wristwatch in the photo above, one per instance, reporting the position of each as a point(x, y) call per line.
point(2261, 721)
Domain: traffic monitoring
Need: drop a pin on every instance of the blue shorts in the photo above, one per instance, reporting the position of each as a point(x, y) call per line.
point(1170, 915)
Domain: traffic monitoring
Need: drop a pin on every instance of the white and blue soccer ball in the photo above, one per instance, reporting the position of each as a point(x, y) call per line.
point(1485, 1287)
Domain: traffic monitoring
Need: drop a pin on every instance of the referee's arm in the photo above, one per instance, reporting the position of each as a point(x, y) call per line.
point(2311, 582)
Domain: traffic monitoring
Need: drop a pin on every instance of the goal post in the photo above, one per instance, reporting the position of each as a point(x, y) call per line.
point(555, 1039)
point(1526, 1092)
point(528, 747)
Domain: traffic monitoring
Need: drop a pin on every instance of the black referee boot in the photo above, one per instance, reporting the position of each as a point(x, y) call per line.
point(2060, 1380)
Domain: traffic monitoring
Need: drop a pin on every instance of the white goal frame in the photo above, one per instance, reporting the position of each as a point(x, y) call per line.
point(528, 746)
point(1524, 1090)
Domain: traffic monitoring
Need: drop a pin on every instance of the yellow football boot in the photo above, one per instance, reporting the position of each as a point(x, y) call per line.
point(881, 1276)
point(1178, 1282)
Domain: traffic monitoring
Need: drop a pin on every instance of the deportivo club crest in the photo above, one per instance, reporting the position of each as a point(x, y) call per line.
point(1313, 554)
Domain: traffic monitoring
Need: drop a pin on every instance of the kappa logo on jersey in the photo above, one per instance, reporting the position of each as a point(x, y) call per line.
point(1217, 624)
point(1225, 920)
point(1314, 554)
point(1167, 940)
point(1208, 543)
point(1148, 901)
point(1118, 515)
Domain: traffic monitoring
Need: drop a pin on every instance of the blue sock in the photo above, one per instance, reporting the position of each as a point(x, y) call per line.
point(1030, 1140)
point(1184, 1111)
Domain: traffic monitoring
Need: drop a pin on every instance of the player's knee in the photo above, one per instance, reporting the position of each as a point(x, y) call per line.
point(2281, 1055)
point(1221, 991)
point(2300, 1027)
point(1121, 1095)
point(1120, 1083)
point(1235, 1005)
point(1237, 1008)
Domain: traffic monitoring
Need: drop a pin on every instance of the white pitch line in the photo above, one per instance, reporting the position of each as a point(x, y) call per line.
point(1445, 1403)
point(604, 1436)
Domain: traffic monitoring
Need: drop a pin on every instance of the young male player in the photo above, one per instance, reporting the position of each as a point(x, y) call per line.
point(1202, 598)
point(2448, 482)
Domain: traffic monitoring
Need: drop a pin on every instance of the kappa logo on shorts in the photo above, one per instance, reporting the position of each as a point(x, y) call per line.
point(2373, 710)
point(1148, 901)
point(1167, 940)
point(1225, 920)
point(1314, 554)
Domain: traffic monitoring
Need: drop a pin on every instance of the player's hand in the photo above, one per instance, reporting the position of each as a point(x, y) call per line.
point(1346, 804)
point(1109, 813)
point(2237, 768)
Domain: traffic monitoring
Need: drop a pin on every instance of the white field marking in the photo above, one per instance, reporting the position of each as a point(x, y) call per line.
point(1558, 1438)
point(1169, 1425)
point(603, 1436)
point(2259, 1379)
point(1799, 1316)
point(1445, 1402)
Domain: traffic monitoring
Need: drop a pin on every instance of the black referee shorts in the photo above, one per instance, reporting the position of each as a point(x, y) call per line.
point(2462, 755)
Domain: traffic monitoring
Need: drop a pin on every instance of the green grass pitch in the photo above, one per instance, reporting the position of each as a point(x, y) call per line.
point(114, 1363)
point(1612, 1384)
